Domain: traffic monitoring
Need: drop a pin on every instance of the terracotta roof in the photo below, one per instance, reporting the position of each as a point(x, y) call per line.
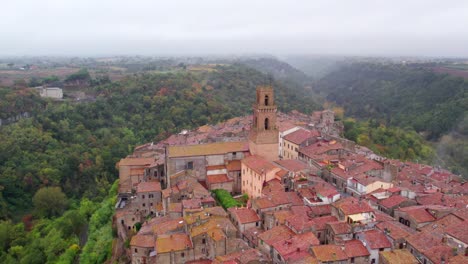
point(300, 135)
point(418, 213)
point(297, 243)
point(168, 226)
point(392, 201)
point(422, 241)
point(239, 257)
point(146, 241)
point(320, 210)
point(402, 256)
point(440, 226)
point(340, 228)
point(292, 164)
point(354, 248)
point(459, 231)
point(150, 186)
point(217, 178)
point(274, 234)
point(174, 242)
point(258, 164)
point(244, 215)
point(320, 223)
point(234, 165)
point(136, 161)
point(326, 253)
point(300, 223)
point(207, 149)
point(376, 239)
point(175, 207)
point(285, 125)
point(436, 253)
point(320, 148)
point(382, 217)
point(191, 204)
point(351, 206)
point(395, 230)
point(215, 228)
point(459, 259)
point(204, 213)
point(282, 215)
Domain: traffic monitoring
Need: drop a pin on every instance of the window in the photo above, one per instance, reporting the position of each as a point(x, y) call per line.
point(182, 254)
point(266, 100)
point(373, 261)
point(143, 196)
point(151, 204)
point(352, 260)
point(267, 124)
point(144, 205)
point(190, 165)
point(319, 234)
point(234, 154)
point(136, 250)
point(203, 241)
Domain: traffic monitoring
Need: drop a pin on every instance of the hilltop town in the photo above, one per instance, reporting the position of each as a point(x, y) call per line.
point(300, 194)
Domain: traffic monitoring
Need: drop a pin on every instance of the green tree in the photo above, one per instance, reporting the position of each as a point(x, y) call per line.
point(50, 201)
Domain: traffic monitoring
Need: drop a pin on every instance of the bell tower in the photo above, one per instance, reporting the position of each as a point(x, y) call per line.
point(263, 137)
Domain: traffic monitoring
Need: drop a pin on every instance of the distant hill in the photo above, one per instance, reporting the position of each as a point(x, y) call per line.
point(411, 97)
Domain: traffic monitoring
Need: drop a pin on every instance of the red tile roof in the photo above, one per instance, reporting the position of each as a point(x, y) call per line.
point(351, 206)
point(459, 232)
point(301, 135)
point(244, 215)
point(418, 213)
point(217, 178)
point(276, 233)
point(320, 148)
point(340, 228)
point(320, 210)
point(320, 223)
point(292, 164)
point(436, 253)
point(393, 201)
point(234, 165)
point(326, 253)
point(258, 164)
point(423, 241)
point(299, 223)
point(354, 248)
point(395, 229)
point(298, 243)
point(136, 161)
point(376, 239)
point(146, 241)
point(150, 186)
point(398, 256)
point(173, 242)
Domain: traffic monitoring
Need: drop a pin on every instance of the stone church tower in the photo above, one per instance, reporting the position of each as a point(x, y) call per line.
point(263, 137)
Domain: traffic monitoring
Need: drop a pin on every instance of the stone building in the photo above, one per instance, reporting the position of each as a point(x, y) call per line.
point(204, 159)
point(263, 137)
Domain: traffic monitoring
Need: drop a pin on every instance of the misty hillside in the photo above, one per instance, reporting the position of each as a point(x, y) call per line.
point(434, 105)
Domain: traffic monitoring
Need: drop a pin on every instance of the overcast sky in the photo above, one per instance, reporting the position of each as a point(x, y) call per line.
point(117, 27)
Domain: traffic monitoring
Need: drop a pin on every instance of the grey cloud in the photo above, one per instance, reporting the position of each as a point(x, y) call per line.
point(108, 27)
